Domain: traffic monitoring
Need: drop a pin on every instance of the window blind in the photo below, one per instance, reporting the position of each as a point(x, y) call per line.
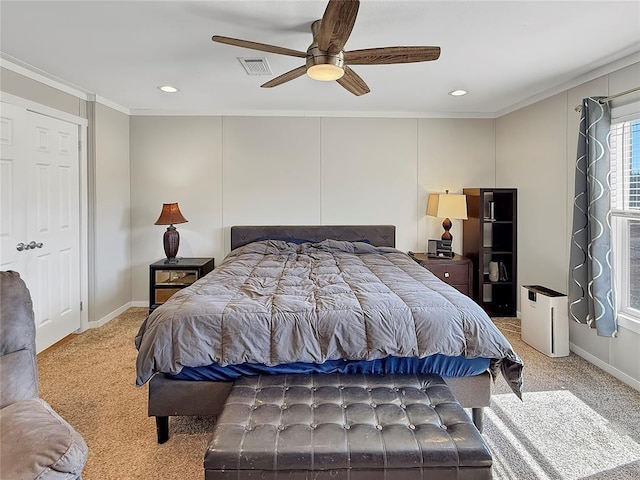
point(625, 167)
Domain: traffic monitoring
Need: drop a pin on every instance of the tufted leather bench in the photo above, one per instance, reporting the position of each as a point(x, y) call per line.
point(356, 427)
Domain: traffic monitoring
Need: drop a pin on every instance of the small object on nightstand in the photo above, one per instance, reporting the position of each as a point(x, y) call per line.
point(439, 249)
point(165, 279)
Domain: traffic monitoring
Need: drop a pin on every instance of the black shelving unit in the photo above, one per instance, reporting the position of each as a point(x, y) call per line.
point(490, 236)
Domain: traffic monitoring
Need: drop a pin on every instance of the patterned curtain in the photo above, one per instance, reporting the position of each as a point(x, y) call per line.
point(591, 293)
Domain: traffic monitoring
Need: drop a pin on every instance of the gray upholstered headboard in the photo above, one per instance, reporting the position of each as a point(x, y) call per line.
point(378, 235)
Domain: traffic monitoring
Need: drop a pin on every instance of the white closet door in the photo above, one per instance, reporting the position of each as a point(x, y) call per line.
point(13, 179)
point(41, 217)
point(53, 223)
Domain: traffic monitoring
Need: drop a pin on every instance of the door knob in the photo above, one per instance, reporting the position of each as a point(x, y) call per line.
point(29, 246)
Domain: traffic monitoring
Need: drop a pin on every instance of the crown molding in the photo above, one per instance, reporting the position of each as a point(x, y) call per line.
point(113, 105)
point(34, 73)
point(305, 113)
point(29, 71)
point(626, 60)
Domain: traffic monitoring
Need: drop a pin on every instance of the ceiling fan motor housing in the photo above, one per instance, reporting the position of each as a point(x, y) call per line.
point(331, 65)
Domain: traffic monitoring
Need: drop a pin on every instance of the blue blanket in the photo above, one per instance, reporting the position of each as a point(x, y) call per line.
point(443, 365)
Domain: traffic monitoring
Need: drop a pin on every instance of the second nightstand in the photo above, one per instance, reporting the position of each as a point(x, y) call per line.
point(165, 279)
point(456, 271)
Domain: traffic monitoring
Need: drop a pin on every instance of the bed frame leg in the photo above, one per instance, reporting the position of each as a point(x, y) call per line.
point(162, 428)
point(476, 415)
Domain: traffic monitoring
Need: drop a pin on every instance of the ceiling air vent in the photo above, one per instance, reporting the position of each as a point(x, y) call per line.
point(255, 66)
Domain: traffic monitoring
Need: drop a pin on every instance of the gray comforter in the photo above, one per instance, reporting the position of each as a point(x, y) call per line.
point(275, 302)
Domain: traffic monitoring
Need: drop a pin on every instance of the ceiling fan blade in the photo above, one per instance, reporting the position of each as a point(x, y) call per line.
point(376, 56)
point(285, 77)
point(336, 25)
point(352, 82)
point(258, 46)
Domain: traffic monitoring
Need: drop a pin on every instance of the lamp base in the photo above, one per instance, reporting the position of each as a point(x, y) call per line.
point(171, 242)
point(446, 224)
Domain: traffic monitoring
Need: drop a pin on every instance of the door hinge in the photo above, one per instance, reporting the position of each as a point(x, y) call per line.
point(79, 145)
point(81, 306)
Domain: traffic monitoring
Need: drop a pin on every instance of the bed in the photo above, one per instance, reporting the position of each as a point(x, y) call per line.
point(315, 297)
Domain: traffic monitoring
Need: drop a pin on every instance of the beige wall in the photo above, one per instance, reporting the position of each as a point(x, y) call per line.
point(531, 156)
point(535, 152)
point(271, 171)
point(452, 154)
point(175, 159)
point(226, 171)
point(111, 213)
point(369, 170)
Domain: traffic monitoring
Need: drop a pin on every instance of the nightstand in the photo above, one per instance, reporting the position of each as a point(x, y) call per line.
point(456, 271)
point(165, 279)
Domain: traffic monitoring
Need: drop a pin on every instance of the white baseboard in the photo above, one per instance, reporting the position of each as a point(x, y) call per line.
point(110, 316)
point(623, 377)
point(139, 303)
point(118, 311)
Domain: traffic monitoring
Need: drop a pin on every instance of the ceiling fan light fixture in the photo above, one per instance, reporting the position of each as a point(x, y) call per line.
point(325, 72)
point(324, 66)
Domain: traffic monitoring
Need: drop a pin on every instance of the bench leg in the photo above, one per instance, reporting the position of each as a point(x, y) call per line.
point(476, 415)
point(162, 428)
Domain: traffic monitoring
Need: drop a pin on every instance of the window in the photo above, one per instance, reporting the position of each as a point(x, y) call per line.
point(625, 204)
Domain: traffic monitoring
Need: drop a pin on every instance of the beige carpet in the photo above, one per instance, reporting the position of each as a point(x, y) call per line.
point(576, 422)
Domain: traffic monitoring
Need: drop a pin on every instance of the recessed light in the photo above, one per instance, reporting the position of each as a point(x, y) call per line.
point(168, 89)
point(458, 93)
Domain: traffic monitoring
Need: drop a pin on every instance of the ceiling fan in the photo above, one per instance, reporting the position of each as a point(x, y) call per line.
point(326, 58)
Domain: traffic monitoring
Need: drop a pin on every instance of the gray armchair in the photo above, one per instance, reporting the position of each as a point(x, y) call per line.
point(35, 442)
